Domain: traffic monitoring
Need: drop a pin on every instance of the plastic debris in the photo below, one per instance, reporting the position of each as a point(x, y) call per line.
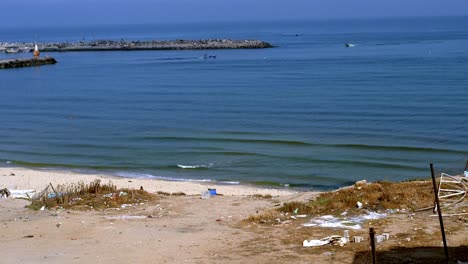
point(22, 193)
point(123, 194)
point(334, 240)
point(123, 206)
point(42, 208)
point(296, 211)
point(379, 239)
point(346, 235)
point(205, 195)
point(357, 239)
point(126, 217)
point(344, 222)
point(359, 205)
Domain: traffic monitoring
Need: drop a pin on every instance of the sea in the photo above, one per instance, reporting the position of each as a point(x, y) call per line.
point(309, 113)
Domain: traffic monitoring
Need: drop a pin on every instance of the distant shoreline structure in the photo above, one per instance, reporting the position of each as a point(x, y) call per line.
point(113, 45)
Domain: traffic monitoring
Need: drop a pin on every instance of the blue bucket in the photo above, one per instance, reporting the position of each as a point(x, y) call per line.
point(212, 192)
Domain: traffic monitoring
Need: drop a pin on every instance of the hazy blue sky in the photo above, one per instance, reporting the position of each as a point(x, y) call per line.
point(79, 12)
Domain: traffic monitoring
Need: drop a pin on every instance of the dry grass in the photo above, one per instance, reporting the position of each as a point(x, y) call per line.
point(374, 196)
point(262, 196)
point(93, 195)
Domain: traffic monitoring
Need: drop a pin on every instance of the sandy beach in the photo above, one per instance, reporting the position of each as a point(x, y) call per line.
point(23, 178)
point(188, 229)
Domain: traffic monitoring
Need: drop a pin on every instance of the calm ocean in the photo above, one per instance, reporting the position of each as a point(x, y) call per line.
point(308, 113)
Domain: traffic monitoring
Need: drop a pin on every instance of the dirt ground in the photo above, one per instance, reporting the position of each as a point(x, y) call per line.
point(188, 229)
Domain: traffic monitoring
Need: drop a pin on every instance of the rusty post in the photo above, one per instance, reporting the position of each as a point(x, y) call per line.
point(372, 243)
point(440, 214)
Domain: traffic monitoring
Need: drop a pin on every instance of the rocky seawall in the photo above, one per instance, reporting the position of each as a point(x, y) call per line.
point(110, 45)
point(26, 62)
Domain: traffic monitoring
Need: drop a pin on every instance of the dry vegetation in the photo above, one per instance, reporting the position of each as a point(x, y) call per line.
point(374, 196)
point(93, 195)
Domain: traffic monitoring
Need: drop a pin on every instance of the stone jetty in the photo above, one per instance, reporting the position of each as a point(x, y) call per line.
point(26, 62)
point(110, 45)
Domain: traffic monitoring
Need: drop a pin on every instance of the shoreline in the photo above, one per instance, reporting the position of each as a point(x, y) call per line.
point(37, 179)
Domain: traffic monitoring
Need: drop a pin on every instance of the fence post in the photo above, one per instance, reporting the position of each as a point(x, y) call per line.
point(440, 214)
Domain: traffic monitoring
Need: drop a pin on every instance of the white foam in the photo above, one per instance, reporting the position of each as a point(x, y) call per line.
point(205, 166)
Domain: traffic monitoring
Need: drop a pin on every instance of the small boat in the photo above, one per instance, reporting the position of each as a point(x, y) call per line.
point(12, 50)
point(26, 49)
point(349, 45)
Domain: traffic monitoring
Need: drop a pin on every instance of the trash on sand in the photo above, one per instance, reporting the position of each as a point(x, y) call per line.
point(59, 224)
point(4, 192)
point(212, 192)
point(380, 239)
point(42, 208)
point(29, 236)
point(359, 205)
point(123, 194)
point(346, 235)
point(344, 222)
point(357, 239)
point(27, 194)
point(386, 235)
point(126, 217)
point(296, 211)
point(451, 189)
point(123, 206)
point(205, 195)
point(109, 195)
point(334, 240)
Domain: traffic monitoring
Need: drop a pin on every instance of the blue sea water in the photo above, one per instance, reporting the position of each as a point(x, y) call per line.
point(307, 113)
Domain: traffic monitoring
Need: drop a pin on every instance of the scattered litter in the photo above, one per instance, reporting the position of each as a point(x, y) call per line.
point(218, 220)
point(212, 192)
point(205, 195)
point(123, 194)
point(357, 239)
point(380, 239)
point(59, 224)
point(42, 208)
point(346, 235)
point(296, 211)
point(28, 236)
point(386, 235)
point(109, 195)
point(344, 222)
point(408, 239)
point(344, 213)
point(334, 240)
point(301, 216)
point(359, 205)
point(126, 217)
point(123, 206)
point(22, 193)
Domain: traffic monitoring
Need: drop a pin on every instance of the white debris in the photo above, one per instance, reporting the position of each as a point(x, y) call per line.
point(343, 222)
point(359, 205)
point(22, 193)
point(335, 240)
point(126, 217)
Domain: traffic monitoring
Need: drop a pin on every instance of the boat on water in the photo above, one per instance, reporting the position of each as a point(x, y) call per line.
point(349, 45)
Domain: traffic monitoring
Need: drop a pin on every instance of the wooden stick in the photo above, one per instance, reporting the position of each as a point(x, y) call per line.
point(372, 241)
point(440, 215)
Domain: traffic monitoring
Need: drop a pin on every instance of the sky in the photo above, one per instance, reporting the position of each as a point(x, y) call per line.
point(91, 12)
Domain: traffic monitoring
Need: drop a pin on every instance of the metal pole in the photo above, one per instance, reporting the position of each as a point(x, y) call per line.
point(372, 242)
point(440, 214)
point(466, 166)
